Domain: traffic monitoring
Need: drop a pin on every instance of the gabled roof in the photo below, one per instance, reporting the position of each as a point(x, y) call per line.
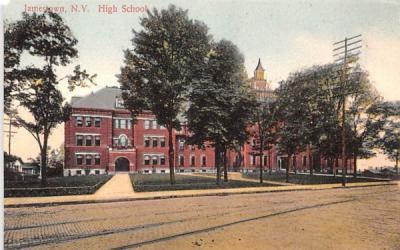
point(101, 99)
point(259, 66)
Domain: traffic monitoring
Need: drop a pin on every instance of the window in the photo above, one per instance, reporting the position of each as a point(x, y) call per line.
point(162, 142)
point(163, 171)
point(265, 158)
point(88, 140)
point(146, 171)
point(88, 121)
point(147, 142)
point(155, 142)
point(154, 125)
point(97, 122)
point(88, 160)
point(203, 160)
point(79, 140)
point(294, 161)
point(304, 161)
point(154, 160)
point(119, 103)
point(146, 160)
point(79, 121)
point(97, 172)
point(78, 172)
point(181, 160)
point(122, 124)
point(192, 147)
point(253, 160)
point(97, 160)
point(116, 123)
point(123, 140)
point(192, 160)
point(181, 170)
point(97, 140)
point(162, 127)
point(79, 159)
point(162, 160)
point(129, 123)
point(181, 144)
point(115, 142)
point(146, 124)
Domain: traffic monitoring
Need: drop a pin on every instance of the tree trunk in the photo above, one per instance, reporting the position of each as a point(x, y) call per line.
point(269, 162)
point(310, 162)
point(225, 160)
point(397, 163)
point(287, 168)
point(43, 164)
point(294, 163)
point(217, 164)
point(171, 157)
point(355, 166)
point(261, 162)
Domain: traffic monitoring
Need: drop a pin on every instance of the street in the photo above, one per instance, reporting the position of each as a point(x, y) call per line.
point(356, 218)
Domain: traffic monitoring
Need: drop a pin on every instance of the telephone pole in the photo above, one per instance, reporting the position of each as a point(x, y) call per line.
point(346, 52)
point(10, 122)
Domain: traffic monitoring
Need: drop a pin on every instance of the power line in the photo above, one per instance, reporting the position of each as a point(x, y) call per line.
point(348, 49)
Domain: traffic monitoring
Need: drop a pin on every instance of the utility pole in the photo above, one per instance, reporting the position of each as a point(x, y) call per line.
point(347, 52)
point(10, 122)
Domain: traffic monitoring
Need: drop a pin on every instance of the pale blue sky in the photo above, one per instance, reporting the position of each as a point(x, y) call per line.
point(286, 35)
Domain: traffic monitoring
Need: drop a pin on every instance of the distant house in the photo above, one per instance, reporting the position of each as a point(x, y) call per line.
point(30, 168)
point(18, 170)
point(388, 171)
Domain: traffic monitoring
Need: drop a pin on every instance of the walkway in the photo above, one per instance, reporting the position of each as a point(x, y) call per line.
point(119, 185)
point(120, 191)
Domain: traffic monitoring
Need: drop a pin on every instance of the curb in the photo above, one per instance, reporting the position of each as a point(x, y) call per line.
point(46, 204)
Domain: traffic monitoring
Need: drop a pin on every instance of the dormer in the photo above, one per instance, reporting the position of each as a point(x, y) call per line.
point(119, 103)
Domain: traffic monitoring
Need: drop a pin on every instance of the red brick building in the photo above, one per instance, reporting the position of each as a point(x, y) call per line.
point(100, 137)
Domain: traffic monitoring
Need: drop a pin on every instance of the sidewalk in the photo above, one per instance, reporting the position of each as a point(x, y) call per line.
point(119, 185)
point(125, 193)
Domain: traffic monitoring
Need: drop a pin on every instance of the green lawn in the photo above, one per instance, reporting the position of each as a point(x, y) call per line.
point(160, 182)
point(69, 185)
point(305, 179)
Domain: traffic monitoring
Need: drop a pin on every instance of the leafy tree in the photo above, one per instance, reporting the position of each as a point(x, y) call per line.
point(34, 89)
point(390, 140)
point(311, 100)
point(365, 116)
point(293, 127)
point(265, 125)
point(221, 103)
point(160, 68)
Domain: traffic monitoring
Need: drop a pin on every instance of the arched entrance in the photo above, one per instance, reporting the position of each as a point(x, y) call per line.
point(122, 164)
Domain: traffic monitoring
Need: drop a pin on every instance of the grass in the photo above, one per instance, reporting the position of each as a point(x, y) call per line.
point(70, 185)
point(160, 182)
point(306, 179)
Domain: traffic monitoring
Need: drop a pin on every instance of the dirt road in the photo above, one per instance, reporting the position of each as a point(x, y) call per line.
point(358, 218)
